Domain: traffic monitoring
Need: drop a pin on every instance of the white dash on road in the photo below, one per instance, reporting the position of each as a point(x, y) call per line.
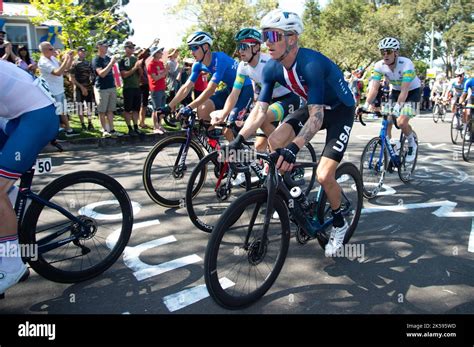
point(190, 296)
point(470, 248)
point(155, 270)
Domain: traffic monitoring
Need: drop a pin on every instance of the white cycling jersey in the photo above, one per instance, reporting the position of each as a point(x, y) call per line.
point(256, 75)
point(403, 72)
point(14, 82)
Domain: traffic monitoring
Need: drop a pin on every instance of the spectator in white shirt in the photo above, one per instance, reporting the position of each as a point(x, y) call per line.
point(52, 71)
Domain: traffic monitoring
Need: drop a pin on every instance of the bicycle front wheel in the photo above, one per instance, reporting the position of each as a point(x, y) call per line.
point(165, 182)
point(65, 253)
point(406, 169)
point(373, 165)
point(456, 128)
point(435, 113)
point(350, 181)
point(241, 264)
point(467, 142)
point(211, 178)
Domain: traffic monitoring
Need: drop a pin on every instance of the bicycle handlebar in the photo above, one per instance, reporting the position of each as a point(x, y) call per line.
point(378, 113)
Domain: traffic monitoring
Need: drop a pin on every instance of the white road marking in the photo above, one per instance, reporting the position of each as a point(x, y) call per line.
point(89, 210)
point(112, 238)
point(470, 248)
point(187, 297)
point(155, 270)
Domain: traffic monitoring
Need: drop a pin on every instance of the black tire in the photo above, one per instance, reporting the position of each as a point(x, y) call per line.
point(436, 113)
point(204, 203)
point(163, 187)
point(406, 170)
point(222, 243)
point(467, 142)
point(372, 178)
point(350, 181)
point(109, 238)
point(455, 128)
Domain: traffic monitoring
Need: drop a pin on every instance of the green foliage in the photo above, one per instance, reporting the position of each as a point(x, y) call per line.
point(222, 19)
point(82, 24)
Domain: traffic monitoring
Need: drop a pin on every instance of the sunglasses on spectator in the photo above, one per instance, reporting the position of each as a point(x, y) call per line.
point(243, 46)
point(274, 36)
point(386, 51)
point(194, 48)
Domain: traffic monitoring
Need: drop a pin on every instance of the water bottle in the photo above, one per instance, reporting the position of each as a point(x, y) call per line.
point(12, 194)
point(297, 194)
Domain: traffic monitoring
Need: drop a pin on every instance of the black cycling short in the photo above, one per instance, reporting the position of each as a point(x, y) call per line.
point(338, 124)
point(413, 95)
point(132, 99)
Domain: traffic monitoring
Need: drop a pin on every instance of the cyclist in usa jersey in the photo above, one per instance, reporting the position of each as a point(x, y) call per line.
point(406, 88)
point(222, 69)
point(251, 65)
point(319, 81)
point(28, 121)
point(468, 92)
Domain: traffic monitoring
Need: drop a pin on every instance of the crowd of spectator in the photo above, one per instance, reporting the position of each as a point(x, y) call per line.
point(144, 76)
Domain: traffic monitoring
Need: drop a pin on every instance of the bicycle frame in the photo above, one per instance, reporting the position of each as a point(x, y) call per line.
point(24, 194)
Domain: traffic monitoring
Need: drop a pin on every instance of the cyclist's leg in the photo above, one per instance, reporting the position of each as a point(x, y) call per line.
point(25, 138)
point(338, 124)
point(238, 114)
point(287, 130)
point(215, 102)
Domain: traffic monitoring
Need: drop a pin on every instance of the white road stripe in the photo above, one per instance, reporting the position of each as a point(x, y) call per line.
point(192, 295)
point(470, 248)
point(155, 270)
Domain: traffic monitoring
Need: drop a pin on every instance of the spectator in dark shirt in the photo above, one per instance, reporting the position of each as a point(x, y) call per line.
point(426, 104)
point(104, 89)
point(82, 76)
point(6, 50)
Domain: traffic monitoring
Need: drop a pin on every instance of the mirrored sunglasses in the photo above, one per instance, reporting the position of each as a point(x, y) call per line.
point(243, 46)
point(194, 48)
point(386, 51)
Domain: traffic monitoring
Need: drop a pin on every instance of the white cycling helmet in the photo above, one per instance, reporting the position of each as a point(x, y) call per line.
point(459, 71)
point(389, 43)
point(279, 19)
point(199, 38)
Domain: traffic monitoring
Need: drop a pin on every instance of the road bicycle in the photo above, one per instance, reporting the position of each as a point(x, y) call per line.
point(217, 190)
point(379, 156)
point(468, 137)
point(439, 110)
point(170, 160)
point(76, 227)
point(457, 128)
point(249, 244)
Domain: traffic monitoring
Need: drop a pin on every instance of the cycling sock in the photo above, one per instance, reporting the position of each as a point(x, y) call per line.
point(10, 253)
point(338, 220)
point(135, 126)
point(411, 139)
point(129, 128)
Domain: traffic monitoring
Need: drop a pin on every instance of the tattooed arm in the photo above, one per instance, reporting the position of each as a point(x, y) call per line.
point(312, 125)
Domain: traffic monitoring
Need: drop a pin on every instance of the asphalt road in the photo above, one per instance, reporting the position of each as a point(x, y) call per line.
point(418, 251)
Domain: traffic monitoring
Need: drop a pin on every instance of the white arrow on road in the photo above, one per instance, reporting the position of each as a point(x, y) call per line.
point(445, 209)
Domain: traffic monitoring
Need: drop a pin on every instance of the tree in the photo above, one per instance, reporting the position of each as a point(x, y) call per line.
point(79, 27)
point(232, 16)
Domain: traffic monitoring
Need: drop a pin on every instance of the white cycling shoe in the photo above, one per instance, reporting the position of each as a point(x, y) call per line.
point(411, 155)
point(9, 279)
point(239, 179)
point(336, 240)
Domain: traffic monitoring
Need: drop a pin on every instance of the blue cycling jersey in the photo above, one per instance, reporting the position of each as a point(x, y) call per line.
point(312, 76)
point(222, 68)
point(469, 85)
point(457, 88)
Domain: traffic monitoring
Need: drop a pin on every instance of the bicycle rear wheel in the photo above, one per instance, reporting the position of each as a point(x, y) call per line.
point(239, 265)
point(371, 169)
point(211, 177)
point(165, 183)
point(96, 199)
point(350, 181)
point(406, 169)
point(467, 142)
